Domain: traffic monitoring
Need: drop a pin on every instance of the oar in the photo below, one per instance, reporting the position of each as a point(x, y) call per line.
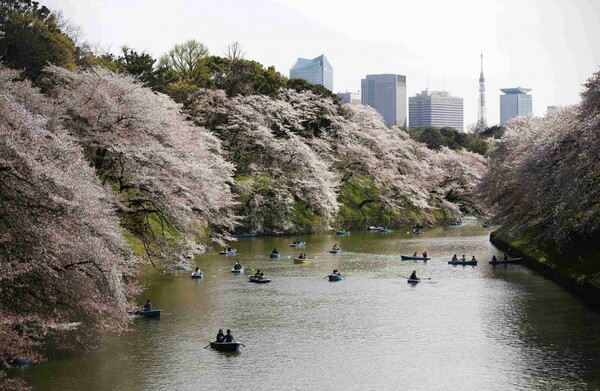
point(242, 344)
point(206, 346)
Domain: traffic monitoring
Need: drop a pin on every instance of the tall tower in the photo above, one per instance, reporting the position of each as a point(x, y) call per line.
point(481, 111)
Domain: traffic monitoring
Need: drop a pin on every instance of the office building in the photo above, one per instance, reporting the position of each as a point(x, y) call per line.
point(315, 71)
point(436, 109)
point(387, 95)
point(515, 103)
point(352, 98)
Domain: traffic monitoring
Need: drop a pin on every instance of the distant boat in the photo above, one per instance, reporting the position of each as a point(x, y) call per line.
point(228, 252)
point(418, 226)
point(509, 260)
point(298, 244)
point(237, 271)
point(336, 277)
point(455, 223)
point(345, 232)
point(197, 275)
point(275, 255)
point(335, 250)
point(414, 258)
point(413, 280)
point(487, 225)
point(417, 231)
point(249, 235)
point(374, 228)
point(384, 230)
point(258, 280)
point(302, 260)
point(147, 314)
point(464, 263)
point(225, 346)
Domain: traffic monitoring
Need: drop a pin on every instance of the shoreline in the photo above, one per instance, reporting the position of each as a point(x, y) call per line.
point(587, 292)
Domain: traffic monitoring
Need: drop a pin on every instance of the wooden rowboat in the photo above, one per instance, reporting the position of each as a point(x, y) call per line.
point(504, 261)
point(467, 263)
point(225, 346)
point(336, 277)
point(413, 258)
point(147, 314)
point(258, 280)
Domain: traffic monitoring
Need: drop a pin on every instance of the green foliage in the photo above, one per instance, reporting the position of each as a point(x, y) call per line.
point(302, 85)
point(32, 38)
point(436, 138)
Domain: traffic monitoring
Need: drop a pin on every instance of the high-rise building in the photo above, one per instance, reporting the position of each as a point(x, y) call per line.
point(387, 95)
point(515, 103)
point(315, 71)
point(435, 109)
point(350, 97)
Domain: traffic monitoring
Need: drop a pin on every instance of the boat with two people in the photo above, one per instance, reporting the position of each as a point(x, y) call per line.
point(259, 278)
point(228, 251)
point(224, 342)
point(302, 258)
point(505, 260)
point(343, 232)
point(298, 243)
point(415, 257)
point(335, 276)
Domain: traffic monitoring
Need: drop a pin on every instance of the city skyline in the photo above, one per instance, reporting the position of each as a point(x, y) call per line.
point(546, 45)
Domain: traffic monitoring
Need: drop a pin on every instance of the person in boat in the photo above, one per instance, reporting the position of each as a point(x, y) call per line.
point(335, 247)
point(454, 258)
point(494, 259)
point(257, 274)
point(148, 306)
point(413, 276)
point(220, 336)
point(274, 251)
point(301, 256)
point(229, 336)
point(197, 271)
point(424, 254)
point(415, 254)
point(336, 272)
point(237, 266)
point(473, 259)
point(463, 258)
point(261, 276)
point(505, 256)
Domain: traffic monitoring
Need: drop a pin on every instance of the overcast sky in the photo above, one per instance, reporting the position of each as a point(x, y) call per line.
point(551, 46)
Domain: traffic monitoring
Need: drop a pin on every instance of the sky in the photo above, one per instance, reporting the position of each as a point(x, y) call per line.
point(550, 46)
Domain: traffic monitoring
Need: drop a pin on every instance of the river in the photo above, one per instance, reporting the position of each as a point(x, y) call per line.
point(468, 328)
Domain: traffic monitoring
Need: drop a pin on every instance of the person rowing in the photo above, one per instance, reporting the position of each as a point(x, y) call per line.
point(413, 276)
point(454, 258)
point(220, 336)
point(237, 266)
point(274, 251)
point(425, 254)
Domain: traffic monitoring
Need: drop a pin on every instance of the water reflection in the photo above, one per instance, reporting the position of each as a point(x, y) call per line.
point(468, 328)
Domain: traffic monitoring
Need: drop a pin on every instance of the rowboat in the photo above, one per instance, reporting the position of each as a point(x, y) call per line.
point(275, 255)
point(197, 275)
point(417, 231)
point(510, 260)
point(342, 232)
point(335, 250)
point(247, 236)
point(374, 228)
point(384, 230)
point(414, 258)
point(229, 252)
point(455, 223)
point(469, 263)
point(258, 280)
point(486, 225)
point(413, 280)
point(225, 346)
point(418, 226)
point(302, 260)
point(147, 314)
point(237, 271)
point(298, 244)
point(336, 277)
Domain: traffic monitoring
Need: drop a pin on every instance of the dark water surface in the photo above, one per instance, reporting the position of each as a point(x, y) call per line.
point(469, 328)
